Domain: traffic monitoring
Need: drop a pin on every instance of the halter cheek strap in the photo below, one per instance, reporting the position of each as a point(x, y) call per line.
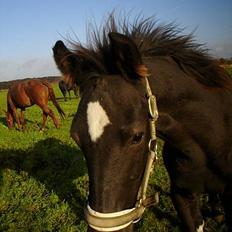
point(122, 219)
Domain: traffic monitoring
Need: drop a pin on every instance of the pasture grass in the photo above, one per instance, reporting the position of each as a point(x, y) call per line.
point(44, 181)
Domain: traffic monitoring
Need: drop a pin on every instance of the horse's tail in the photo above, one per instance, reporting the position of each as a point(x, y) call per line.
point(53, 98)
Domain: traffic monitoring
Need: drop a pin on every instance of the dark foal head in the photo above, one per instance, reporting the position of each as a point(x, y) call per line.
point(111, 124)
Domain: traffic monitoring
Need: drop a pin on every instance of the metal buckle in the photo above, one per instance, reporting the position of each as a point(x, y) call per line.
point(152, 107)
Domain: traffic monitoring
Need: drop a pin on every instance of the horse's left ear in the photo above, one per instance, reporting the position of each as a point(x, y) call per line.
point(66, 61)
point(127, 57)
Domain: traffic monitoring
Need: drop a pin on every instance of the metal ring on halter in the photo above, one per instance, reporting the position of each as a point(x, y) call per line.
point(150, 145)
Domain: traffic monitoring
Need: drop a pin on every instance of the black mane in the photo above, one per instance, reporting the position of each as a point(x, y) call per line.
point(153, 40)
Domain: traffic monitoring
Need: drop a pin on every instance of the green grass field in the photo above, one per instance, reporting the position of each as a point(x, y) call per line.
point(44, 181)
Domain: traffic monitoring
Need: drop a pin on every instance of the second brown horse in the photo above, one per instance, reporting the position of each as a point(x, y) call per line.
point(27, 93)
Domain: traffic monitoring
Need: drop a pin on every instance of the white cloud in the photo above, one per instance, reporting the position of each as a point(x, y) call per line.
point(34, 67)
point(222, 50)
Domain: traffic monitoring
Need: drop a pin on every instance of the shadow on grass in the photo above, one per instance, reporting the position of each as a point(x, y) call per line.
point(62, 169)
point(61, 99)
point(170, 216)
point(52, 163)
point(3, 121)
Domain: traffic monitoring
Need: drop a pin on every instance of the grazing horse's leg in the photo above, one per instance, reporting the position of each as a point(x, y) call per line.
point(11, 106)
point(185, 202)
point(187, 206)
point(45, 115)
point(69, 94)
point(227, 203)
point(17, 118)
point(216, 207)
point(47, 111)
point(64, 93)
point(22, 120)
point(75, 92)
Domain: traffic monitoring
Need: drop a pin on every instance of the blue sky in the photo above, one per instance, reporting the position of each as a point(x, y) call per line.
point(29, 28)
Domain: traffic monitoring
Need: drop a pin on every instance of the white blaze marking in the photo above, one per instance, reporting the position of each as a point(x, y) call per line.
point(97, 120)
point(201, 227)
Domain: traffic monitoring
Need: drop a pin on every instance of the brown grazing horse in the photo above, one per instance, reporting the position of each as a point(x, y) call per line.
point(27, 93)
point(113, 124)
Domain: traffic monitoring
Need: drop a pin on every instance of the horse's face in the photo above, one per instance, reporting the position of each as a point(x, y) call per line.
point(111, 124)
point(9, 120)
point(111, 127)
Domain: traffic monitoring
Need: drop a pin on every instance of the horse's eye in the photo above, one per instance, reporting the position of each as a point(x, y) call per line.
point(137, 138)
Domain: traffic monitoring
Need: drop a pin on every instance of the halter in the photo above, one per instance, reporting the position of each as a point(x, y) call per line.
point(122, 219)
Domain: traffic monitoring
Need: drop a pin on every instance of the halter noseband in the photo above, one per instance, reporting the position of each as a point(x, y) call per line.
point(121, 219)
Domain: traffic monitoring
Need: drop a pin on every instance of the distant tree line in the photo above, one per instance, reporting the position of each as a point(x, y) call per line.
point(224, 61)
point(7, 84)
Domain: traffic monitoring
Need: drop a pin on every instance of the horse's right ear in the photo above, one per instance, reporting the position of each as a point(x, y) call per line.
point(127, 56)
point(66, 61)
